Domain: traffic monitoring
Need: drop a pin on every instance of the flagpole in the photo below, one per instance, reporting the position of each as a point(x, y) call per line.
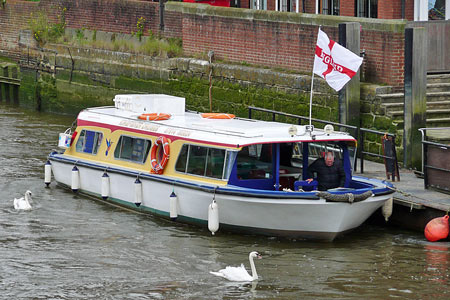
point(310, 100)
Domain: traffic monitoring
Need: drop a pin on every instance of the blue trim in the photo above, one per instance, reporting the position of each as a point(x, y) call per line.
point(346, 165)
point(228, 190)
point(257, 184)
point(305, 185)
point(305, 156)
point(276, 154)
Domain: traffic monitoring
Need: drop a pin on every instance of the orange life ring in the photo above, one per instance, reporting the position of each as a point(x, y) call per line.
point(217, 116)
point(155, 117)
point(158, 166)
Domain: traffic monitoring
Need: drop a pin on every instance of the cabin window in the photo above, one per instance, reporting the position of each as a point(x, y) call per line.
point(89, 141)
point(203, 161)
point(132, 149)
point(255, 162)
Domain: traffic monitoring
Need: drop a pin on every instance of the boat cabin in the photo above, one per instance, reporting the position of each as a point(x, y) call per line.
point(238, 152)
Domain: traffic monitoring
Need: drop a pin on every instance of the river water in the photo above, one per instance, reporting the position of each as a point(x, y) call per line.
point(74, 247)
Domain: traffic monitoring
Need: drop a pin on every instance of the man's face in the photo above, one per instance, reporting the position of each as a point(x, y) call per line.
point(329, 159)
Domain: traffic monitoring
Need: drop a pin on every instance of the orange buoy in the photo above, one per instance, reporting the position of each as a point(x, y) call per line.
point(217, 116)
point(437, 229)
point(155, 117)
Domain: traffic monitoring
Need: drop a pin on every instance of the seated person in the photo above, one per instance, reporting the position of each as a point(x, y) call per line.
point(330, 173)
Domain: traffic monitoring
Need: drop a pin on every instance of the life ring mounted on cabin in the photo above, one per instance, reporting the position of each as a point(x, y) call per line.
point(154, 117)
point(160, 158)
point(217, 116)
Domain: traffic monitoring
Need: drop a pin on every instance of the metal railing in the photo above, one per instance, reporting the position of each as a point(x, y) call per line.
point(435, 161)
point(357, 132)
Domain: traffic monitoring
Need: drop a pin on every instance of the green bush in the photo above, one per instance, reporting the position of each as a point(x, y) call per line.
point(43, 31)
point(162, 47)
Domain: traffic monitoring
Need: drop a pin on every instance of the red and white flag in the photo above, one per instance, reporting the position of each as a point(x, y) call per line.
point(334, 63)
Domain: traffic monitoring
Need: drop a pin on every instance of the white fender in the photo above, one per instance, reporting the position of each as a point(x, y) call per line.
point(47, 173)
point(105, 186)
point(386, 209)
point(75, 179)
point(213, 217)
point(137, 192)
point(173, 201)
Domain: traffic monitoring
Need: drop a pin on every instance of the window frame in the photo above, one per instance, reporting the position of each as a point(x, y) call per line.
point(145, 155)
point(226, 170)
point(95, 145)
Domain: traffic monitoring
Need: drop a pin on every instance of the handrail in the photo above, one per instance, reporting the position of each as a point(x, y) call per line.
point(425, 144)
point(358, 134)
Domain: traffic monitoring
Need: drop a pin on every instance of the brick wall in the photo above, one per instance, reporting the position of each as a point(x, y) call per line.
point(104, 15)
point(245, 3)
point(14, 17)
point(409, 10)
point(261, 38)
point(347, 8)
point(387, 9)
point(287, 40)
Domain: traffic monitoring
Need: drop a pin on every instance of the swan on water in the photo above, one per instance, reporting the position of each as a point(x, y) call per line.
point(23, 202)
point(240, 273)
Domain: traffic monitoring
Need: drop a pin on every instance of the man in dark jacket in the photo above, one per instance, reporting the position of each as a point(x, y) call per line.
point(330, 173)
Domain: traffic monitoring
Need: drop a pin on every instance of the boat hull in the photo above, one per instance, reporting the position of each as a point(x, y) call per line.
point(298, 217)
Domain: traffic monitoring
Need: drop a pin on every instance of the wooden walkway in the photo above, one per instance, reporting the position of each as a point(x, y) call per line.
point(410, 189)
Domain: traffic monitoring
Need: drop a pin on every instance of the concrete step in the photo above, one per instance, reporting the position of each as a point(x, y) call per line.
point(438, 96)
point(391, 108)
point(438, 78)
point(431, 97)
point(431, 122)
point(431, 114)
point(392, 98)
point(438, 87)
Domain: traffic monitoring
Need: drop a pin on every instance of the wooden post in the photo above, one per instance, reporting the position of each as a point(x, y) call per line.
point(6, 93)
point(349, 96)
point(415, 83)
point(2, 94)
point(15, 88)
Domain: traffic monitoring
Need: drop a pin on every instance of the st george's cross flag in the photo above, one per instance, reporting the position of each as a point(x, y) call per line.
point(334, 63)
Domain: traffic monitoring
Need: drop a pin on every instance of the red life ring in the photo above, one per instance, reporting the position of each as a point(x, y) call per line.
point(217, 116)
point(154, 117)
point(161, 142)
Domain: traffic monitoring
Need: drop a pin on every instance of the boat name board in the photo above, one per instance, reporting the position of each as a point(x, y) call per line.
point(154, 128)
point(139, 125)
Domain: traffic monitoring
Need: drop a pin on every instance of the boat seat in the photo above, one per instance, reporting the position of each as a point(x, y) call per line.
point(304, 185)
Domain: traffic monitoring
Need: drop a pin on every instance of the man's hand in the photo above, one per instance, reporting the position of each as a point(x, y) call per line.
point(309, 180)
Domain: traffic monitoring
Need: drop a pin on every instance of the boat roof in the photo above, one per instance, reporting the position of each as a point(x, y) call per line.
point(236, 132)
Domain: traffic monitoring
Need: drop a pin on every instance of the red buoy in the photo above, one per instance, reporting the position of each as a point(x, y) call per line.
point(437, 229)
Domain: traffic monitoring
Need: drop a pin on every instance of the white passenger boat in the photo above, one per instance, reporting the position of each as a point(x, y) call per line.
point(214, 170)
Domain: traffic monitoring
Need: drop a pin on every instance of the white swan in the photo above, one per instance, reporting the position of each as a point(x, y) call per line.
point(240, 273)
point(23, 202)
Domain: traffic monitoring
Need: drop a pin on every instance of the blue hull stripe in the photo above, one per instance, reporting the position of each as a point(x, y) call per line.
point(238, 191)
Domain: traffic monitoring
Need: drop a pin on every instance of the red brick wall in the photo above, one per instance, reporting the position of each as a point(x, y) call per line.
point(310, 6)
point(384, 56)
point(14, 17)
point(287, 45)
point(387, 9)
point(255, 42)
point(104, 15)
point(409, 10)
point(245, 3)
point(110, 15)
point(347, 8)
point(261, 42)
